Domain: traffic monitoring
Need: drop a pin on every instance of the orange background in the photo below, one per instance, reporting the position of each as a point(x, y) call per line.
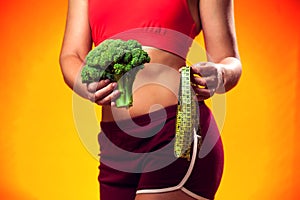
point(42, 156)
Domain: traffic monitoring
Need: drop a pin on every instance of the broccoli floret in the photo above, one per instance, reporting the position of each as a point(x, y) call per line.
point(133, 44)
point(90, 74)
point(116, 60)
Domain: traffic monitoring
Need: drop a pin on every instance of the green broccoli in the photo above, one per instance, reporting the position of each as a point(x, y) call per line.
point(116, 60)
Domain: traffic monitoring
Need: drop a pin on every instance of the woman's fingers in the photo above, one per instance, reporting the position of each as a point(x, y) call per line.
point(203, 93)
point(103, 92)
point(208, 75)
point(93, 87)
point(200, 81)
point(210, 82)
point(205, 79)
point(109, 99)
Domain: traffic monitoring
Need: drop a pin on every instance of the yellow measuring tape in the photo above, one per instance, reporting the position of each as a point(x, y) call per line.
point(187, 119)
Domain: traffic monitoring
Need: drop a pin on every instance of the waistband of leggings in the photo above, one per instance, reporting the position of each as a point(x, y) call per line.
point(157, 116)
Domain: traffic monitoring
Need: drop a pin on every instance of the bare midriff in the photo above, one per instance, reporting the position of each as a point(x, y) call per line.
point(155, 87)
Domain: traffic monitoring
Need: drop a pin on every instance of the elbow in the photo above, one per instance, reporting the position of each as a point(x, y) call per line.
point(61, 64)
point(65, 72)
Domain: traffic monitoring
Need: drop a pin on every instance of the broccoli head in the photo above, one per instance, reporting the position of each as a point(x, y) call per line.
point(116, 60)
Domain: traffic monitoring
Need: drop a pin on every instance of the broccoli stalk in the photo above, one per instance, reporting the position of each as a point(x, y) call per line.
point(125, 87)
point(116, 60)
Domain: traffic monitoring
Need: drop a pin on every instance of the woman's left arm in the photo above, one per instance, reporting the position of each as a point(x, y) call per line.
point(224, 68)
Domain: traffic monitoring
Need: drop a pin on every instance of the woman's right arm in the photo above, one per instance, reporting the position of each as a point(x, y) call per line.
point(77, 43)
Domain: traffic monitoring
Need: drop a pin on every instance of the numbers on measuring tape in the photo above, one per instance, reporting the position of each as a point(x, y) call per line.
point(186, 118)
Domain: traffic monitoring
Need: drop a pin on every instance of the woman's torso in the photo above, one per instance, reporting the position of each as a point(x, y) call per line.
point(157, 84)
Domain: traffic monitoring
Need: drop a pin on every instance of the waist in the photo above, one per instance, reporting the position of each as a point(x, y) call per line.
point(158, 116)
point(155, 87)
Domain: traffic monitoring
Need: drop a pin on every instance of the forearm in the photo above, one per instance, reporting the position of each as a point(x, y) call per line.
point(71, 67)
point(231, 68)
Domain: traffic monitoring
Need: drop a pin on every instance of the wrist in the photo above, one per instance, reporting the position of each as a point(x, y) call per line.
point(231, 70)
point(221, 78)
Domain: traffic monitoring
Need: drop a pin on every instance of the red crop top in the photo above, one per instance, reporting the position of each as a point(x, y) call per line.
point(164, 24)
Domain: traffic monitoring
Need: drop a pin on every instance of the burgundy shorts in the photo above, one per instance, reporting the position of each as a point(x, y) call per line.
point(137, 156)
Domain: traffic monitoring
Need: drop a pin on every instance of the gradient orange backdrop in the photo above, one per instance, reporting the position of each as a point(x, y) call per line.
point(43, 158)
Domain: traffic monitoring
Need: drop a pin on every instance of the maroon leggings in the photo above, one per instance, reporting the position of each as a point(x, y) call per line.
point(137, 156)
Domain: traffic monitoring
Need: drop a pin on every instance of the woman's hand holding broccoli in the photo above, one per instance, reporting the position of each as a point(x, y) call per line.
point(103, 92)
point(110, 62)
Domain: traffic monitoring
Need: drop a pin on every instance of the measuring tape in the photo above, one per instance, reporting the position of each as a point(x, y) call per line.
point(187, 120)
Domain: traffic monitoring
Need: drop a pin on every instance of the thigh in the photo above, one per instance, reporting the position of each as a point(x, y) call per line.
point(115, 192)
point(116, 185)
point(174, 195)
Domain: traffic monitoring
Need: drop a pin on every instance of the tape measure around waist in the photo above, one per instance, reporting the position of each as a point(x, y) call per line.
point(187, 119)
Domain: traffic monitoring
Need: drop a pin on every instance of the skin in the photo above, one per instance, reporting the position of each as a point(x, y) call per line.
point(219, 75)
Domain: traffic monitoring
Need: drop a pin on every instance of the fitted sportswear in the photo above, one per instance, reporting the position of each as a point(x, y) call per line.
point(164, 24)
point(132, 163)
point(140, 158)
